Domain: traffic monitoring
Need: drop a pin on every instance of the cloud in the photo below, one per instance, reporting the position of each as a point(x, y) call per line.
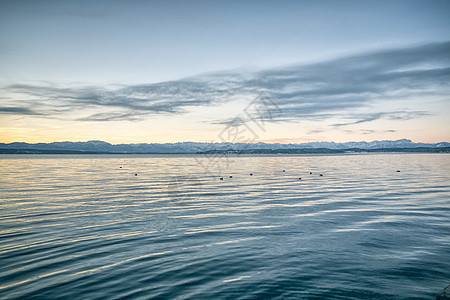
point(108, 117)
point(128, 103)
point(368, 131)
point(350, 83)
point(395, 115)
point(302, 92)
point(18, 111)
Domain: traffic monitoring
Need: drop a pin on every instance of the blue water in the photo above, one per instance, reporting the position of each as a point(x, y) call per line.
point(87, 227)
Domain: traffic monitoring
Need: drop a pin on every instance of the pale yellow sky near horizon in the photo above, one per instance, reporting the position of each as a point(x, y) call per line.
point(170, 129)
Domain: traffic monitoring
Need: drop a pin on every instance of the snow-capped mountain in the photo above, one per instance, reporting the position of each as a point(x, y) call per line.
point(193, 147)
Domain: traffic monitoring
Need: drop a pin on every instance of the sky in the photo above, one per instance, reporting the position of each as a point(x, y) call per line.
point(224, 71)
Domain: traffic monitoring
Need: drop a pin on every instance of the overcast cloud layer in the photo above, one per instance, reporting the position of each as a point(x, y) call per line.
point(316, 91)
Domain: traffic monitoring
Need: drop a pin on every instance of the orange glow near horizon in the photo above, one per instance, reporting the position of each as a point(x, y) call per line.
point(139, 133)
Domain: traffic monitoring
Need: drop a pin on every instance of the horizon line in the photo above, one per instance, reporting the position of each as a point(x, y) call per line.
point(219, 142)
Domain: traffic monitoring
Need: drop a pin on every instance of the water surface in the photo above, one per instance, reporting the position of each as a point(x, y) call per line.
point(87, 227)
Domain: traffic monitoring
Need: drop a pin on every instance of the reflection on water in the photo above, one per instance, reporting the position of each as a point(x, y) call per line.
point(85, 226)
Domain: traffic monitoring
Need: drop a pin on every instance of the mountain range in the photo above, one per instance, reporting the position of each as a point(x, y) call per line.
point(199, 147)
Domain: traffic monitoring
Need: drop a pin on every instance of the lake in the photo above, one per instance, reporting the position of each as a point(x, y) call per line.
point(178, 227)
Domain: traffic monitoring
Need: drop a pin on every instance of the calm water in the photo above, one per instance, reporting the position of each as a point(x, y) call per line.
point(86, 227)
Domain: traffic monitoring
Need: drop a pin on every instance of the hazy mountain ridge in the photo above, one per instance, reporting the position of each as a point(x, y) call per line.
point(194, 147)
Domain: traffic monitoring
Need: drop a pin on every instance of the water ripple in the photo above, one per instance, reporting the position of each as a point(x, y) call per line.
point(81, 227)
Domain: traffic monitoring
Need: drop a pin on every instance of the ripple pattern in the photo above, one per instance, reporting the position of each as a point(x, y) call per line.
point(87, 227)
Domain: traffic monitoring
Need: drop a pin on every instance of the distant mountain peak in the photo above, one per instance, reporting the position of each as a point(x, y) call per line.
point(194, 147)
